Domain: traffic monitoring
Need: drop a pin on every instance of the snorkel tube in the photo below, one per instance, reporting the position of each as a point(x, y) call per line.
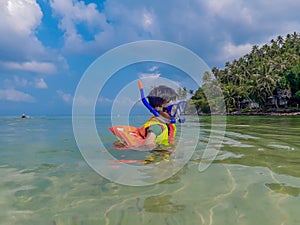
point(145, 102)
point(154, 111)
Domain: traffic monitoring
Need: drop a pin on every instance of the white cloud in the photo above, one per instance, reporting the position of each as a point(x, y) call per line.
point(124, 100)
point(19, 19)
point(233, 11)
point(153, 73)
point(40, 84)
point(74, 13)
point(153, 68)
point(20, 47)
point(32, 66)
point(22, 82)
point(68, 98)
point(115, 24)
point(19, 81)
point(149, 75)
point(230, 51)
point(87, 101)
point(104, 100)
point(147, 20)
point(21, 50)
point(22, 16)
point(202, 26)
point(84, 100)
point(15, 96)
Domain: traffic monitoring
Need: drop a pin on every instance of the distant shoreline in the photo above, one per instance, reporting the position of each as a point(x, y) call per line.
point(265, 114)
point(273, 113)
point(285, 113)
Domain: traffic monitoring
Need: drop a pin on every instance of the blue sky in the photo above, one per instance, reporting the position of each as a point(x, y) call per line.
point(46, 45)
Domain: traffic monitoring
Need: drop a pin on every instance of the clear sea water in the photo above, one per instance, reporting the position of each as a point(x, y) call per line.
point(255, 178)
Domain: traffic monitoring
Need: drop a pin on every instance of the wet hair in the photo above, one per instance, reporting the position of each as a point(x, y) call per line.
point(161, 95)
point(156, 101)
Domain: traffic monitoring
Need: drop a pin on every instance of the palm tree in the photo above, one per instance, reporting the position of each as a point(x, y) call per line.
point(261, 73)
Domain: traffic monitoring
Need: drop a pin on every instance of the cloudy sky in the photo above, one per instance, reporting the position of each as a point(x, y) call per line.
point(46, 45)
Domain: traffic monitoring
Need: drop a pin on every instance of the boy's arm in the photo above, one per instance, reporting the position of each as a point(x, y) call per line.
point(152, 133)
point(150, 138)
point(149, 143)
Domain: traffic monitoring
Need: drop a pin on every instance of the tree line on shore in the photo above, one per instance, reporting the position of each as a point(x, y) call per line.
point(265, 79)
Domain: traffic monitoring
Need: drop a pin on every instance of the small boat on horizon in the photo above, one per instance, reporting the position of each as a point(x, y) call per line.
point(24, 116)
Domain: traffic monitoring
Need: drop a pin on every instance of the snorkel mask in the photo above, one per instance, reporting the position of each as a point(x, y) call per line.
point(174, 110)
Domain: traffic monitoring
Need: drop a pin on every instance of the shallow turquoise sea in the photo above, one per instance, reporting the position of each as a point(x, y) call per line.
point(254, 179)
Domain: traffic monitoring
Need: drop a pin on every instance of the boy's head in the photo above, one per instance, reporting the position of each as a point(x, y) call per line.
point(160, 104)
point(161, 95)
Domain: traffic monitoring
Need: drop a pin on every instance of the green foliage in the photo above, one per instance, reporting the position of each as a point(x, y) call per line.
point(200, 102)
point(182, 93)
point(208, 98)
point(258, 76)
point(297, 95)
point(292, 77)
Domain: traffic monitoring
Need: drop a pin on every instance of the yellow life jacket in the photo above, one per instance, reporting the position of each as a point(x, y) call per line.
point(168, 131)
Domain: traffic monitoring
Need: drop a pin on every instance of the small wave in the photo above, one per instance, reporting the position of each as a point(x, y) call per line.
point(282, 147)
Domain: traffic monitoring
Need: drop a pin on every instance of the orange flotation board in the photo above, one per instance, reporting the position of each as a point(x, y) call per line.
point(129, 135)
